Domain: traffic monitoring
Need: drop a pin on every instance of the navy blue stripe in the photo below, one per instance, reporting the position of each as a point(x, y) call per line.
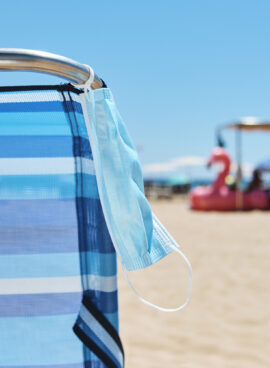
point(50, 226)
point(39, 304)
point(35, 240)
point(98, 340)
point(93, 231)
point(41, 106)
point(93, 364)
point(72, 365)
point(103, 321)
point(81, 147)
point(43, 146)
point(39, 213)
point(105, 358)
point(105, 302)
point(26, 305)
point(38, 226)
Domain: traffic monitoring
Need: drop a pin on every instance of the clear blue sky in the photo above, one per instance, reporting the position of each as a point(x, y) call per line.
point(176, 68)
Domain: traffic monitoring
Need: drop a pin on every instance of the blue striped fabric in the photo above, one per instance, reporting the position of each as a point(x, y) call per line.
point(55, 249)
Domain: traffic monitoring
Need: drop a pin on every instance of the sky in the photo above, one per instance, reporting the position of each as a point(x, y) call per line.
point(177, 69)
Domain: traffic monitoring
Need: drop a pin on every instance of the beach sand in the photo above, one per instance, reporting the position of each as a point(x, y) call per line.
point(227, 323)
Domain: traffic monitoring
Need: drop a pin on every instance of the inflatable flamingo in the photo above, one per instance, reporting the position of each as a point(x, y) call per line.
point(219, 197)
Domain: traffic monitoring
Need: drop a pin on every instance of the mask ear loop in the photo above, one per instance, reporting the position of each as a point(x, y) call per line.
point(87, 84)
point(156, 306)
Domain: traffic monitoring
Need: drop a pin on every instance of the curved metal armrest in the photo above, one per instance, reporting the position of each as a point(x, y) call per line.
point(45, 62)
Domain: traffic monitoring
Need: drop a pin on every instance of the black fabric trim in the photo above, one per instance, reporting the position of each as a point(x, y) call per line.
point(104, 85)
point(56, 87)
point(94, 348)
point(103, 321)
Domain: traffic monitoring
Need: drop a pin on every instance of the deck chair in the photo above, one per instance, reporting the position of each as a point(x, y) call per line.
point(58, 285)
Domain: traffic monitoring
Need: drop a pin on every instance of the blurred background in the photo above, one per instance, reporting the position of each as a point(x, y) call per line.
point(180, 70)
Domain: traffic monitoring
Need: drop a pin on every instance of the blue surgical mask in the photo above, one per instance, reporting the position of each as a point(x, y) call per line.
point(139, 238)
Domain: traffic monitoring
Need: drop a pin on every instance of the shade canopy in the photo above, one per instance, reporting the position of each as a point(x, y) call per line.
point(248, 124)
point(264, 165)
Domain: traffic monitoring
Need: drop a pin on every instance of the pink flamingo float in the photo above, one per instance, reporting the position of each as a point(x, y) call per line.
point(219, 197)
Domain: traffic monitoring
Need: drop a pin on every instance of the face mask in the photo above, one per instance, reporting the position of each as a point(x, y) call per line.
point(140, 240)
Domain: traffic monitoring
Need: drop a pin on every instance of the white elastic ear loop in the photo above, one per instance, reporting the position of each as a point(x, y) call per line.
point(87, 84)
point(156, 306)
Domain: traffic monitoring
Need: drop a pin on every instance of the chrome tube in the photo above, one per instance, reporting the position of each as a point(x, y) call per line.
point(45, 62)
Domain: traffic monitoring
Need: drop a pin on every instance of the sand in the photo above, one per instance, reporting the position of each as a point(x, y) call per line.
point(227, 323)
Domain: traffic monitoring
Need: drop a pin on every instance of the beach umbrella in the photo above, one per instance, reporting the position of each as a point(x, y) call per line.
point(246, 124)
point(178, 180)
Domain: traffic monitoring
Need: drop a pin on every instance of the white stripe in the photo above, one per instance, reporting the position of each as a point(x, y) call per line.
point(34, 96)
point(40, 285)
point(86, 165)
point(107, 284)
point(30, 96)
point(45, 166)
point(76, 98)
point(101, 333)
point(43, 285)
